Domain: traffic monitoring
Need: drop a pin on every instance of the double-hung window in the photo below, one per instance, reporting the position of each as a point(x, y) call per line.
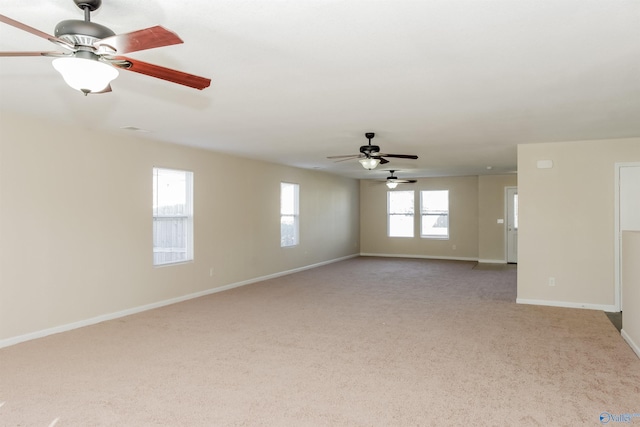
point(172, 216)
point(289, 214)
point(434, 214)
point(400, 209)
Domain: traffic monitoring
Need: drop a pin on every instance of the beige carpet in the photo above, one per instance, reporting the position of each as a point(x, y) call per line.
point(364, 342)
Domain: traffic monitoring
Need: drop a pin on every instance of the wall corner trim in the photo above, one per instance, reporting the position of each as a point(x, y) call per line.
point(567, 304)
point(127, 312)
point(634, 346)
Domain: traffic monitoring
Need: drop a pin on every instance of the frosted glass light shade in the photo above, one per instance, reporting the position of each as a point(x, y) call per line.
point(369, 163)
point(392, 184)
point(85, 75)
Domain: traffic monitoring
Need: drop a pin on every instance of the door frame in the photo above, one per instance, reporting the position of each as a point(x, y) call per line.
point(617, 257)
point(506, 221)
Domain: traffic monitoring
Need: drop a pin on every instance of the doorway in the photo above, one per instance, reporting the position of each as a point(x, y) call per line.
point(512, 224)
point(627, 216)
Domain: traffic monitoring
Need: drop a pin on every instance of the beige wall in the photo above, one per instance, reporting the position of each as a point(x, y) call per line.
point(492, 201)
point(631, 288)
point(476, 203)
point(567, 221)
point(463, 220)
point(75, 223)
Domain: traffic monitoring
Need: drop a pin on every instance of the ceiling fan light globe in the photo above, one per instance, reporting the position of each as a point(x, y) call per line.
point(85, 75)
point(392, 184)
point(369, 163)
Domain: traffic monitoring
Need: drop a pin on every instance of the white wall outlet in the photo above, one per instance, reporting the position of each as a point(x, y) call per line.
point(211, 272)
point(552, 281)
point(454, 247)
point(500, 221)
point(544, 164)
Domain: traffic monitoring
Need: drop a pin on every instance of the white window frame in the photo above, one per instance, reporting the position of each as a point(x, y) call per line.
point(184, 219)
point(426, 212)
point(393, 213)
point(289, 210)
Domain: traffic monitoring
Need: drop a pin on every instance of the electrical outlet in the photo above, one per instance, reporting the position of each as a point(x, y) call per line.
point(211, 272)
point(552, 281)
point(454, 247)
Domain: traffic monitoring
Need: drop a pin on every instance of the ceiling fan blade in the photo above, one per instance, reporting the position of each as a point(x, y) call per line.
point(399, 156)
point(32, 54)
point(405, 181)
point(159, 72)
point(134, 41)
point(382, 160)
point(346, 156)
point(34, 31)
point(25, 27)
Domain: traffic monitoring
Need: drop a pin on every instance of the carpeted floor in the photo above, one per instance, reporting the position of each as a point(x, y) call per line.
point(363, 342)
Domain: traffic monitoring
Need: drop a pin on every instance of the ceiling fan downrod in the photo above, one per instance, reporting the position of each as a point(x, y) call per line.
point(369, 136)
point(88, 6)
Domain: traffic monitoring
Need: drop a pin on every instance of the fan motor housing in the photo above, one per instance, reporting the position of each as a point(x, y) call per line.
point(76, 30)
point(368, 149)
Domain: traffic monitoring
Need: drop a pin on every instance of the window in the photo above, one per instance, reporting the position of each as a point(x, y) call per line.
point(434, 212)
point(515, 211)
point(289, 218)
point(172, 216)
point(400, 210)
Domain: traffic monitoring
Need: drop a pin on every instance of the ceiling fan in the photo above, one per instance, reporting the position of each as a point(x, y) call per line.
point(92, 52)
point(370, 155)
point(393, 181)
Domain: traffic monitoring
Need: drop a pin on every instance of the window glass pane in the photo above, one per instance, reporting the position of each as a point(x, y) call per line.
point(289, 218)
point(515, 211)
point(401, 225)
point(287, 230)
point(434, 218)
point(401, 202)
point(170, 192)
point(288, 199)
point(400, 213)
point(435, 201)
point(172, 216)
point(435, 225)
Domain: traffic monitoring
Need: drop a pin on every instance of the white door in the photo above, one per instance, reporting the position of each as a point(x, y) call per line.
point(512, 224)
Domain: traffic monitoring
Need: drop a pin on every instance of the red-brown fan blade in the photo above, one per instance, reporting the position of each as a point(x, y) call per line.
point(163, 73)
point(134, 41)
point(35, 32)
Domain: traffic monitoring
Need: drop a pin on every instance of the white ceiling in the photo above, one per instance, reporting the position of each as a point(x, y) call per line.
point(459, 83)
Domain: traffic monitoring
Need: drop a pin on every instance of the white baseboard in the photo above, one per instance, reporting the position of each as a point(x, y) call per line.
point(418, 256)
point(492, 261)
point(634, 346)
point(567, 304)
point(110, 316)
